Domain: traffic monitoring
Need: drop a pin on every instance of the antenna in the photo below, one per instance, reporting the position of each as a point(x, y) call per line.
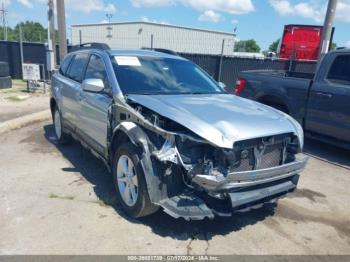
point(109, 28)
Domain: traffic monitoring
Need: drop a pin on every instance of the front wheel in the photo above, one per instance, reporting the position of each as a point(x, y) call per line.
point(61, 136)
point(130, 183)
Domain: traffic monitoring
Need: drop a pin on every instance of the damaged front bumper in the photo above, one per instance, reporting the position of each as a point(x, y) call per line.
point(238, 191)
point(249, 178)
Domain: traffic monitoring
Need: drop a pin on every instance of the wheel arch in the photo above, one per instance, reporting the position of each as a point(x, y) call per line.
point(274, 101)
point(129, 131)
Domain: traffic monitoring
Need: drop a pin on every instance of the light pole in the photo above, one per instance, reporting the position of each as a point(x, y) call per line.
point(61, 21)
point(51, 34)
point(327, 28)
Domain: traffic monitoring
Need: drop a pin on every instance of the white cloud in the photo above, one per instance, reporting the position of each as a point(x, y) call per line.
point(303, 9)
point(88, 6)
point(347, 44)
point(152, 3)
point(210, 16)
point(5, 2)
point(83, 6)
point(148, 20)
point(343, 11)
point(227, 6)
point(312, 9)
point(26, 3)
point(234, 21)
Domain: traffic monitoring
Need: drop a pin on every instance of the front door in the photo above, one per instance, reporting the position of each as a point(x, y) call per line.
point(329, 101)
point(94, 107)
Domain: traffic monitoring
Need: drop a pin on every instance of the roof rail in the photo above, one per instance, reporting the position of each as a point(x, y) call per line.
point(100, 46)
point(162, 50)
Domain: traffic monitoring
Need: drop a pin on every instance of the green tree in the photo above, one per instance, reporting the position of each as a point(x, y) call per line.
point(249, 46)
point(273, 47)
point(32, 32)
point(334, 46)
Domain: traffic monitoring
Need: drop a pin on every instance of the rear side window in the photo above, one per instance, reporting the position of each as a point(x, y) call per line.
point(65, 64)
point(77, 67)
point(340, 70)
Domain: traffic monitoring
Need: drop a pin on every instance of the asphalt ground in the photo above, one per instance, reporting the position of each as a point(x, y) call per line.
point(61, 200)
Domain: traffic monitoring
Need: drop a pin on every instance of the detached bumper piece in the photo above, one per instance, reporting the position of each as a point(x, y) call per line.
point(187, 206)
point(258, 195)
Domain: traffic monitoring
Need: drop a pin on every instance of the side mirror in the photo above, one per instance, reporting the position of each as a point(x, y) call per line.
point(93, 85)
point(222, 85)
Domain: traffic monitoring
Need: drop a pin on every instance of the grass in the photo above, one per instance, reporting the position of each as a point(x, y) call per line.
point(52, 195)
point(14, 98)
point(18, 81)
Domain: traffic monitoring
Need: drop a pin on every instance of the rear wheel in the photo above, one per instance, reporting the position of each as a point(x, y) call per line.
point(62, 137)
point(130, 182)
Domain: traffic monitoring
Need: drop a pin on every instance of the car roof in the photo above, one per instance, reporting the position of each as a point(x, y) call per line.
point(132, 52)
point(142, 52)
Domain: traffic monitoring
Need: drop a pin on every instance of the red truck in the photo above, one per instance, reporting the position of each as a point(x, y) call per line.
point(301, 42)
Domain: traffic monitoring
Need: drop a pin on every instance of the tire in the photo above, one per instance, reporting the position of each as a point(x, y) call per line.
point(131, 179)
point(62, 137)
point(4, 69)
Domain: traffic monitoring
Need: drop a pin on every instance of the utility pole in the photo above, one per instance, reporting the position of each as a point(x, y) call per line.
point(3, 12)
point(327, 28)
point(51, 34)
point(61, 21)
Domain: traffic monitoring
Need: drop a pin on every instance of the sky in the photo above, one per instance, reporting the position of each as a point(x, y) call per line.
point(262, 20)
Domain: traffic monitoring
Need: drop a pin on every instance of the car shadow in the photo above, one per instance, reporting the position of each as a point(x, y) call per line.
point(94, 172)
point(328, 153)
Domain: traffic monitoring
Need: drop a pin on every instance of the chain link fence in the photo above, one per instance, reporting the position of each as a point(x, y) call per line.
point(224, 68)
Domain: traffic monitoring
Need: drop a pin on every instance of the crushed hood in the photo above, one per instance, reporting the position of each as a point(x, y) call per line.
point(221, 119)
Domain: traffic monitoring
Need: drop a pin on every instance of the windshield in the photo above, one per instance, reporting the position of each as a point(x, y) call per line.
point(158, 76)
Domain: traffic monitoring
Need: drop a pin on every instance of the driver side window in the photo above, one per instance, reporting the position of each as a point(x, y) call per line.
point(96, 69)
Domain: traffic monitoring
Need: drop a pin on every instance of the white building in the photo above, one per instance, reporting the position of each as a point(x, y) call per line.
point(146, 34)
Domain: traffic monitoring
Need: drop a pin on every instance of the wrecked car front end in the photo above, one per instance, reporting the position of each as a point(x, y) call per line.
point(192, 175)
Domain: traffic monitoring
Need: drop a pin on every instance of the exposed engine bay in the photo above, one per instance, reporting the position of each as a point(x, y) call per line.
point(193, 178)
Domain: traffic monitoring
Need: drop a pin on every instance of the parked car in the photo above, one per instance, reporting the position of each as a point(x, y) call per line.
point(320, 102)
point(171, 136)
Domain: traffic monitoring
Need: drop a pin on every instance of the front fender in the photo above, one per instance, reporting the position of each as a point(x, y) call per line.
point(139, 138)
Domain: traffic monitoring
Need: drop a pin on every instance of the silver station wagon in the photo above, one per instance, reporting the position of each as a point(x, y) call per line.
point(170, 134)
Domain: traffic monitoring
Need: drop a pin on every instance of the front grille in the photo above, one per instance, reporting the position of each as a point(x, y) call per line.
point(271, 157)
point(259, 157)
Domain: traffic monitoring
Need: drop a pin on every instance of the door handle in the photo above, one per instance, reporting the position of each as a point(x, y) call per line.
point(324, 94)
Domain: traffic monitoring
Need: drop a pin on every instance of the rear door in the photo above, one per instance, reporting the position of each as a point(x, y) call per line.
point(329, 102)
point(71, 91)
point(94, 107)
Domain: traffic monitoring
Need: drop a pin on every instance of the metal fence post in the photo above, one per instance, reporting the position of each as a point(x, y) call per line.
point(21, 48)
point(80, 38)
point(221, 57)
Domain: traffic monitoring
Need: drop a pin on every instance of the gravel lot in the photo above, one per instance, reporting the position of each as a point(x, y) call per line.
point(17, 102)
point(60, 200)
